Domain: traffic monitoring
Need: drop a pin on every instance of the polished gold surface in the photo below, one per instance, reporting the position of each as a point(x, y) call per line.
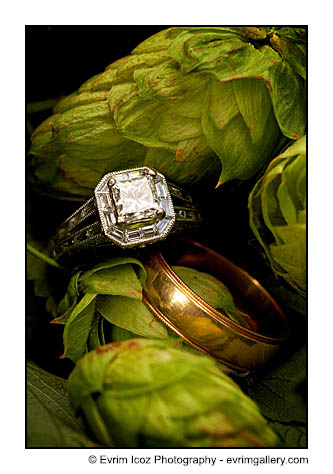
point(171, 300)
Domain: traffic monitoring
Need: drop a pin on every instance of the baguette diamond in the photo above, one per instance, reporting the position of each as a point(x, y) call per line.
point(136, 199)
point(129, 208)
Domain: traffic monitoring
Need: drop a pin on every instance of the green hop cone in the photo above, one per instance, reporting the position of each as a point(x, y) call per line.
point(277, 206)
point(144, 393)
point(185, 101)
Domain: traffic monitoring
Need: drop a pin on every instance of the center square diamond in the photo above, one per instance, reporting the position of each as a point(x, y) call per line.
point(135, 197)
point(134, 206)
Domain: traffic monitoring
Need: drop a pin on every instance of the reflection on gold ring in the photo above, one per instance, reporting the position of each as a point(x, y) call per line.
point(178, 298)
point(203, 326)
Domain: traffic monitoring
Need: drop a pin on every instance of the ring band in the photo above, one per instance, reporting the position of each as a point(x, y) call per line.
point(202, 326)
point(130, 208)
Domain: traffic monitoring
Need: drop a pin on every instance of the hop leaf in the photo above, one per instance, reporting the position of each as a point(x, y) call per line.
point(51, 421)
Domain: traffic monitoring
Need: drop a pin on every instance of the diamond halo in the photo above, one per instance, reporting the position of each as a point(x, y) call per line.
point(134, 206)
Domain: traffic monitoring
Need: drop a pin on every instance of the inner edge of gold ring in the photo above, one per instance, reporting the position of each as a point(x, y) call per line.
point(174, 328)
point(248, 333)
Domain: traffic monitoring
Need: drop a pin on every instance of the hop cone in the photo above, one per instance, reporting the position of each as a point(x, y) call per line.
point(185, 101)
point(144, 393)
point(277, 206)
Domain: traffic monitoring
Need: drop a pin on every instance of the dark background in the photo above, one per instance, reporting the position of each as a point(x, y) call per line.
point(60, 58)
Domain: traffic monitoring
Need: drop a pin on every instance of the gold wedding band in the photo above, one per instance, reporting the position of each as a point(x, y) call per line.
point(198, 323)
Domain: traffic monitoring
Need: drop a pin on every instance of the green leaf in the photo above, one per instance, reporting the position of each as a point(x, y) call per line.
point(78, 326)
point(294, 436)
point(37, 271)
point(287, 207)
point(295, 148)
point(62, 184)
point(125, 68)
point(43, 257)
point(229, 135)
point(288, 97)
point(290, 255)
point(132, 315)
point(137, 118)
point(40, 106)
point(256, 220)
point(294, 170)
point(94, 339)
point(167, 83)
point(77, 99)
point(120, 334)
point(222, 107)
point(254, 105)
point(191, 150)
point(98, 83)
point(174, 127)
point(115, 279)
point(192, 161)
point(75, 135)
point(86, 174)
point(158, 42)
point(276, 394)
point(70, 299)
point(80, 313)
point(301, 187)
point(87, 276)
point(51, 422)
point(269, 203)
point(42, 144)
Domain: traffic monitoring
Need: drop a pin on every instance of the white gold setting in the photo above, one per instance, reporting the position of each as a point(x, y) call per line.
point(130, 208)
point(135, 206)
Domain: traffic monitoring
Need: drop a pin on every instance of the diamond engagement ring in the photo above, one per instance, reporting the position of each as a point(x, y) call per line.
point(130, 208)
